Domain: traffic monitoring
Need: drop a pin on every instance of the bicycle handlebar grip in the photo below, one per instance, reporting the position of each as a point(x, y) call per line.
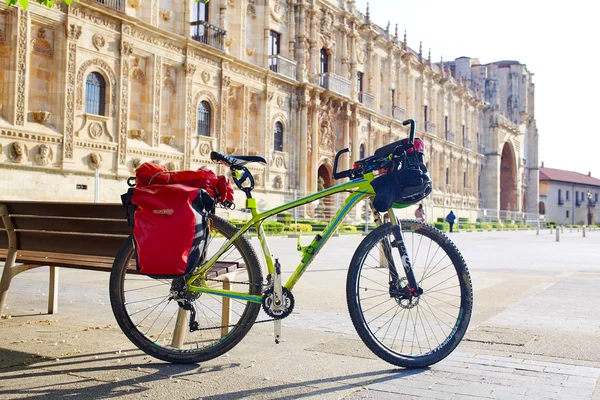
point(412, 128)
point(340, 175)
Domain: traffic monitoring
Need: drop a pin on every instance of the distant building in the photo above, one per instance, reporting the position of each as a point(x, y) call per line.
point(568, 197)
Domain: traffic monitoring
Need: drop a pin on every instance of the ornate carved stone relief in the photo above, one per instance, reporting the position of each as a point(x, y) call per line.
point(40, 44)
point(135, 3)
point(126, 48)
point(21, 66)
point(98, 41)
point(43, 155)
point(95, 130)
point(95, 19)
point(70, 104)
point(277, 182)
point(171, 166)
point(95, 161)
point(137, 72)
point(73, 31)
point(124, 115)
point(168, 81)
point(157, 41)
point(41, 117)
point(326, 130)
point(157, 100)
point(204, 149)
point(205, 75)
point(135, 163)
point(17, 152)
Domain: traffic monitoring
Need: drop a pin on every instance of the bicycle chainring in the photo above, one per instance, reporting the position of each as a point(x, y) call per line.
point(268, 306)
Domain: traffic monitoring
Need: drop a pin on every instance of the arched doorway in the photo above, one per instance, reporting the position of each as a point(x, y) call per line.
point(542, 208)
point(324, 210)
point(508, 179)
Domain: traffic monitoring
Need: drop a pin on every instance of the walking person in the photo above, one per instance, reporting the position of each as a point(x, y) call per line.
point(420, 213)
point(451, 218)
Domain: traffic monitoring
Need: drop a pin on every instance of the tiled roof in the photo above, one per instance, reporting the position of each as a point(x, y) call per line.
point(551, 174)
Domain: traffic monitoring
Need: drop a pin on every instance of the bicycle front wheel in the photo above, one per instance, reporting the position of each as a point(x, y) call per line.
point(423, 330)
point(154, 321)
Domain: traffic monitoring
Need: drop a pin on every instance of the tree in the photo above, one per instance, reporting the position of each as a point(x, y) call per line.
point(49, 3)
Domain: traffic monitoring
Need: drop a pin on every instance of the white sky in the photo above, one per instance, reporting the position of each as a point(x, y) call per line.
point(558, 41)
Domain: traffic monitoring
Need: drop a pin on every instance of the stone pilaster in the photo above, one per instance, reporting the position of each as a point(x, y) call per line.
point(73, 34)
point(314, 155)
point(304, 157)
point(22, 66)
point(190, 69)
point(157, 95)
point(291, 30)
point(346, 140)
point(246, 121)
point(123, 116)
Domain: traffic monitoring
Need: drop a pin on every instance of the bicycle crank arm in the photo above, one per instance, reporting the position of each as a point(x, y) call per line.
point(277, 299)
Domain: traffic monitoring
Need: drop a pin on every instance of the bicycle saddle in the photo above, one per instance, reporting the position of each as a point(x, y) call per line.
point(230, 160)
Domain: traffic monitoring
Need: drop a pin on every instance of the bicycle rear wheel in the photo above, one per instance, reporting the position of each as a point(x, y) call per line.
point(426, 329)
point(149, 316)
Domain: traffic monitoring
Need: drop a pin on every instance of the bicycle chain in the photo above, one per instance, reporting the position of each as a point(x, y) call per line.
point(232, 326)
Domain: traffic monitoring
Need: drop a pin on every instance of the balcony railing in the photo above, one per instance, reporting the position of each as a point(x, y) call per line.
point(115, 4)
point(467, 144)
point(450, 136)
point(283, 66)
point(335, 83)
point(208, 34)
point(367, 99)
point(398, 113)
point(430, 127)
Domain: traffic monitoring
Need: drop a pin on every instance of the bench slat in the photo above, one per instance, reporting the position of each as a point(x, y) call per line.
point(66, 243)
point(72, 225)
point(72, 210)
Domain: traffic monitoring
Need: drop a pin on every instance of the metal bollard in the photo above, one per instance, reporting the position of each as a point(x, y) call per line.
point(571, 228)
point(551, 229)
point(557, 234)
point(583, 230)
point(562, 229)
point(537, 230)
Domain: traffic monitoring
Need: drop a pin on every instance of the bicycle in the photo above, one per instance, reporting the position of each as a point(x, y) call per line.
point(407, 321)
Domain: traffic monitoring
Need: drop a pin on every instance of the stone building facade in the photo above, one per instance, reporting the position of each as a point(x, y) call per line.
point(106, 85)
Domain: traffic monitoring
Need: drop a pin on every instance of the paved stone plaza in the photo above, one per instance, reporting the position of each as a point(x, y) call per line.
point(535, 334)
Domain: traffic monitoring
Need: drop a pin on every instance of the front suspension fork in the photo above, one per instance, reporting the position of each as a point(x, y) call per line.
point(398, 242)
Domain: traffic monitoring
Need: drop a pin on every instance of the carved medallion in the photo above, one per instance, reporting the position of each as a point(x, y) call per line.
point(17, 152)
point(361, 56)
point(95, 130)
point(205, 76)
point(278, 182)
point(95, 161)
point(40, 44)
point(43, 155)
point(204, 149)
point(135, 3)
point(136, 162)
point(166, 14)
point(250, 50)
point(280, 100)
point(41, 117)
point(98, 41)
point(171, 166)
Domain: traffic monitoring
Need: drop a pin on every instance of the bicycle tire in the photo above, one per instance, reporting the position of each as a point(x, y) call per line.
point(429, 300)
point(218, 346)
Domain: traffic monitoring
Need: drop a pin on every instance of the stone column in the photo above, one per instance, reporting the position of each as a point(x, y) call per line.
point(246, 126)
point(314, 51)
point(347, 158)
point(22, 67)
point(123, 116)
point(353, 64)
point(190, 69)
point(291, 30)
point(222, 143)
point(156, 100)
point(154, 5)
point(301, 72)
point(304, 158)
point(314, 156)
point(73, 34)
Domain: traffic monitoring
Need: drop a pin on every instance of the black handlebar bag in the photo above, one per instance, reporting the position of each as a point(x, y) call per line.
point(403, 186)
point(170, 228)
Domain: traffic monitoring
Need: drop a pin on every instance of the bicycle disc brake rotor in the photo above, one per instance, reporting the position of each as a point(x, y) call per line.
point(287, 304)
point(402, 294)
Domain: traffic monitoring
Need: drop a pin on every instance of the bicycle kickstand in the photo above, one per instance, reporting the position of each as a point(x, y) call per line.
point(278, 296)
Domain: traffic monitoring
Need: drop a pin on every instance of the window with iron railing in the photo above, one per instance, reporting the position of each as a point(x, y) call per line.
point(204, 117)
point(95, 94)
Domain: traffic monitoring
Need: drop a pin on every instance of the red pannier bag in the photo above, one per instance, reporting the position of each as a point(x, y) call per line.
point(168, 213)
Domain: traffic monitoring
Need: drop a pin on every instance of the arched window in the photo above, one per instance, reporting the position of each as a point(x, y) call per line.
point(278, 136)
point(362, 151)
point(542, 208)
point(95, 94)
point(204, 119)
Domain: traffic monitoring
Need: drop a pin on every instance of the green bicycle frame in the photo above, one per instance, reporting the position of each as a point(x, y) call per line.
point(358, 188)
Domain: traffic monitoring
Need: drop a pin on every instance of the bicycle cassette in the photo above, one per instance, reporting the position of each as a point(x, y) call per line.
point(287, 304)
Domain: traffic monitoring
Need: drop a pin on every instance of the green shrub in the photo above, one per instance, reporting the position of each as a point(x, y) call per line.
point(273, 227)
point(519, 222)
point(299, 227)
point(508, 222)
point(442, 226)
point(495, 220)
point(462, 220)
point(285, 217)
point(496, 226)
point(464, 226)
point(479, 220)
point(550, 223)
point(349, 228)
point(441, 219)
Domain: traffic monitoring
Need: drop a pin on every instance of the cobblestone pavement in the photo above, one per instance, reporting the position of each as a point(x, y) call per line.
point(535, 334)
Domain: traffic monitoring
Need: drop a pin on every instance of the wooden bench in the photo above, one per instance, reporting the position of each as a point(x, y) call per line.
point(72, 235)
